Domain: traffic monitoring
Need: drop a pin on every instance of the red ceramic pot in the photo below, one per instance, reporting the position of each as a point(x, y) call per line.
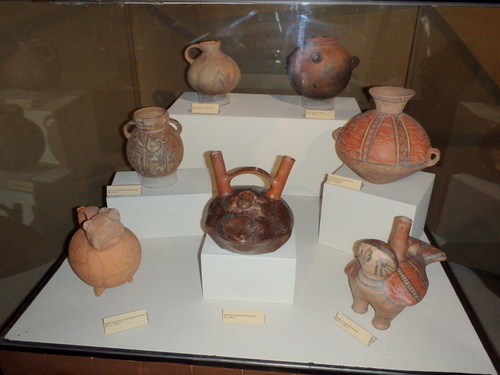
point(385, 145)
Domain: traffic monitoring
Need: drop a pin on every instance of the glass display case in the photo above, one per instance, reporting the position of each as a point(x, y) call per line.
point(73, 72)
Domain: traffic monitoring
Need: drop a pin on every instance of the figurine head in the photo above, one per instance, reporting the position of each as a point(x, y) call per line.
point(377, 259)
point(104, 230)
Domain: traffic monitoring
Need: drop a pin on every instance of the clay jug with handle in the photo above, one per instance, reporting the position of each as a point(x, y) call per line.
point(154, 147)
point(212, 74)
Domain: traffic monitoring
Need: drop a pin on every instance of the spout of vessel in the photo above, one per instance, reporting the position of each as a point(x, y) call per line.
point(279, 180)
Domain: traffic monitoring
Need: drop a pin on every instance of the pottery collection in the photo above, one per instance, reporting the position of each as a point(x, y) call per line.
point(385, 145)
point(390, 276)
point(154, 146)
point(320, 69)
point(102, 252)
point(249, 219)
point(381, 146)
point(212, 74)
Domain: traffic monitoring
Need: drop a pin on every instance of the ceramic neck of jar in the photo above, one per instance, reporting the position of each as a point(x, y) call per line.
point(391, 100)
point(151, 118)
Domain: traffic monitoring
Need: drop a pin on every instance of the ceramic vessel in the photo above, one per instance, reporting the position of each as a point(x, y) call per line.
point(319, 70)
point(390, 276)
point(154, 147)
point(22, 141)
point(212, 74)
point(33, 66)
point(102, 252)
point(249, 219)
point(385, 145)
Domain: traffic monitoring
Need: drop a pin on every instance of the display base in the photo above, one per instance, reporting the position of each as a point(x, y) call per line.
point(214, 99)
point(173, 211)
point(158, 182)
point(318, 104)
point(257, 130)
point(257, 278)
point(350, 215)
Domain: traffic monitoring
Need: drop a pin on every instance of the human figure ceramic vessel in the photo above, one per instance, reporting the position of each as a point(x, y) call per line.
point(390, 276)
point(385, 145)
point(213, 74)
point(102, 252)
point(319, 70)
point(249, 219)
point(154, 146)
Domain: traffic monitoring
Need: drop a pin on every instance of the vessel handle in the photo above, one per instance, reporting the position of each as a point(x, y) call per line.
point(336, 133)
point(126, 128)
point(434, 156)
point(187, 56)
point(251, 170)
point(177, 128)
point(354, 61)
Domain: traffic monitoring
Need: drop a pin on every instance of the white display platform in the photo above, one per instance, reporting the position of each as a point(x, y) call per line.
point(435, 335)
point(176, 210)
point(257, 130)
point(257, 278)
point(350, 215)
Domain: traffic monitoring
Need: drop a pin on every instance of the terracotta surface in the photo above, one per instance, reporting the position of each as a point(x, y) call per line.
point(154, 147)
point(249, 219)
point(385, 145)
point(320, 68)
point(103, 253)
point(212, 72)
point(390, 276)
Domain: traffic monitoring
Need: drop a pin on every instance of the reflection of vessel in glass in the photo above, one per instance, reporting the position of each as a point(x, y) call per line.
point(385, 145)
point(249, 219)
point(319, 70)
point(33, 66)
point(22, 142)
point(154, 146)
point(212, 74)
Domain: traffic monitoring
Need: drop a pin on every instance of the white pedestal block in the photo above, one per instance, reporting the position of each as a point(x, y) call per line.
point(176, 210)
point(351, 215)
point(256, 130)
point(256, 278)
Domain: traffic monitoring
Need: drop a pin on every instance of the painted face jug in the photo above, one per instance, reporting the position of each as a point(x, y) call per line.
point(391, 276)
point(154, 146)
point(249, 219)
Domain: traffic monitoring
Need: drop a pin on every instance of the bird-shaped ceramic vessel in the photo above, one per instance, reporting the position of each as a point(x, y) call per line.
point(390, 276)
point(103, 253)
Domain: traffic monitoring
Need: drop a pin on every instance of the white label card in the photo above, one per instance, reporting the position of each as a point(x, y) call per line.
point(124, 190)
point(347, 182)
point(208, 108)
point(243, 317)
point(354, 329)
point(122, 322)
point(318, 114)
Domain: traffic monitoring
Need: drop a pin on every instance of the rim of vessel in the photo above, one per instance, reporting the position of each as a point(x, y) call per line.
point(150, 113)
point(391, 92)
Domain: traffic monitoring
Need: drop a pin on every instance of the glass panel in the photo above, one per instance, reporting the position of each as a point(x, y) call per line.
point(72, 74)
